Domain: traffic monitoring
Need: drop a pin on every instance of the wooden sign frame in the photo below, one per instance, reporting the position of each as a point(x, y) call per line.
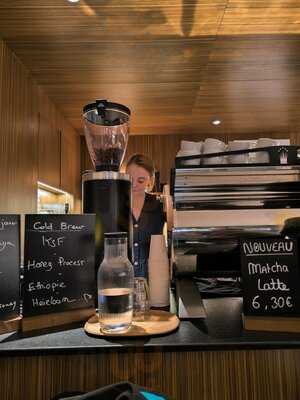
point(11, 325)
point(271, 324)
point(56, 319)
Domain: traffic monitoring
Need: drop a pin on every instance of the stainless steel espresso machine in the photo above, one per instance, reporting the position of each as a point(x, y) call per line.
point(216, 206)
point(107, 192)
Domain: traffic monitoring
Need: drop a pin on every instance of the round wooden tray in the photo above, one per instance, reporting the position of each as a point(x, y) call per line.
point(156, 322)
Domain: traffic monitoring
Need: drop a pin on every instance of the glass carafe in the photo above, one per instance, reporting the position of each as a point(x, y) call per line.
point(115, 285)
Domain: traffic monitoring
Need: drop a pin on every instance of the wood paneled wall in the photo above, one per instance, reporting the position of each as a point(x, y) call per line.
point(162, 149)
point(49, 138)
point(18, 135)
point(30, 126)
point(71, 163)
point(181, 375)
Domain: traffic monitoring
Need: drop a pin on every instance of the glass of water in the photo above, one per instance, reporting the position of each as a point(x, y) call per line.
point(141, 299)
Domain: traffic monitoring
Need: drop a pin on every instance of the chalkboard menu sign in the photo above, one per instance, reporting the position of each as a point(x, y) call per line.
point(271, 278)
point(9, 266)
point(59, 271)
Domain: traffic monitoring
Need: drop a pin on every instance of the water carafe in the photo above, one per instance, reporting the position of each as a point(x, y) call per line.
point(115, 285)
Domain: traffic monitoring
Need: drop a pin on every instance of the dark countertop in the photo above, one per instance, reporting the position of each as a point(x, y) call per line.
point(222, 330)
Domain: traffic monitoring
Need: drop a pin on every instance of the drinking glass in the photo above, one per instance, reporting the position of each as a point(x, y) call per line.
point(141, 298)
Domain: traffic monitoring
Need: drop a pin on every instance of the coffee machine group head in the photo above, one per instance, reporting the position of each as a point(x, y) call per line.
point(107, 192)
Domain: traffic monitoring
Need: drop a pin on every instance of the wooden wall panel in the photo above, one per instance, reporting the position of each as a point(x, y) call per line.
point(49, 142)
point(70, 163)
point(1, 62)
point(181, 375)
point(18, 136)
point(254, 17)
point(85, 159)
point(29, 150)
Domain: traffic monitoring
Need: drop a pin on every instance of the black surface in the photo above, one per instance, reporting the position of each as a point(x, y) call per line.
point(9, 266)
point(271, 279)
point(58, 263)
point(110, 200)
point(222, 330)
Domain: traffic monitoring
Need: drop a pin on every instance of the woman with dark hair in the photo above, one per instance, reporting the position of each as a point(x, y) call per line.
point(147, 211)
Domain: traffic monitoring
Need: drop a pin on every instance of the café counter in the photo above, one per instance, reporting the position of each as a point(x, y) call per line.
point(208, 359)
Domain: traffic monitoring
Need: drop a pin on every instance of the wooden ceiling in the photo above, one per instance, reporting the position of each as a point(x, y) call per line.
point(177, 64)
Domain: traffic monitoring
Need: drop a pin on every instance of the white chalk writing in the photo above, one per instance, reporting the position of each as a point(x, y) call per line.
point(272, 285)
point(53, 301)
point(35, 286)
point(4, 224)
point(265, 247)
point(70, 263)
point(52, 242)
point(41, 265)
point(266, 269)
point(87, 297)
point(70, 227)
point(12, 305)
point(4, 244)
point(46, 226)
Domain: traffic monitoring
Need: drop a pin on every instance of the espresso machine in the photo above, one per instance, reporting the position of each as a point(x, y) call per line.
point(106, 191)
point(217, 205)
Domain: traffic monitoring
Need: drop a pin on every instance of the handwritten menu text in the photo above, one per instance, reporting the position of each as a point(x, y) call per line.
point(271, 279)
point(59, 271)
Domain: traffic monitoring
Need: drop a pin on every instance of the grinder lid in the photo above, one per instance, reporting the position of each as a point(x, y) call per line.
point(104, 112)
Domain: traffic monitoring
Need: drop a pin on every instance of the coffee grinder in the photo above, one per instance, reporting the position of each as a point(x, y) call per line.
point(107, 192)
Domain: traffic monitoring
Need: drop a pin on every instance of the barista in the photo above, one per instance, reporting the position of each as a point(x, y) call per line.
point(147, 212)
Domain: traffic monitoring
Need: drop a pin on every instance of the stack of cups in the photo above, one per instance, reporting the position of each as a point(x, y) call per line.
point(212, 145)
point(159, 273)
point(262, 157)
point(188, 148)
point(238, 158)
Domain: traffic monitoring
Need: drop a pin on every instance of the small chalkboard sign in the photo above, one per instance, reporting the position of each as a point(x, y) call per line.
point(271, 278)
point(59, 271)
point(9, 266)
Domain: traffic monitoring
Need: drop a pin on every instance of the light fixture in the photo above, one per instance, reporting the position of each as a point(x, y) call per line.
point(73, 1)
point(44, 186)
point(216, 122)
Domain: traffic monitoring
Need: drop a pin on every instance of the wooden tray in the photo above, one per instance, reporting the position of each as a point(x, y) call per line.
point(156, 322)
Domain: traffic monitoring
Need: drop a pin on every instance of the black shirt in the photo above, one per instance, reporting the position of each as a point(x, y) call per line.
point(151, 222)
